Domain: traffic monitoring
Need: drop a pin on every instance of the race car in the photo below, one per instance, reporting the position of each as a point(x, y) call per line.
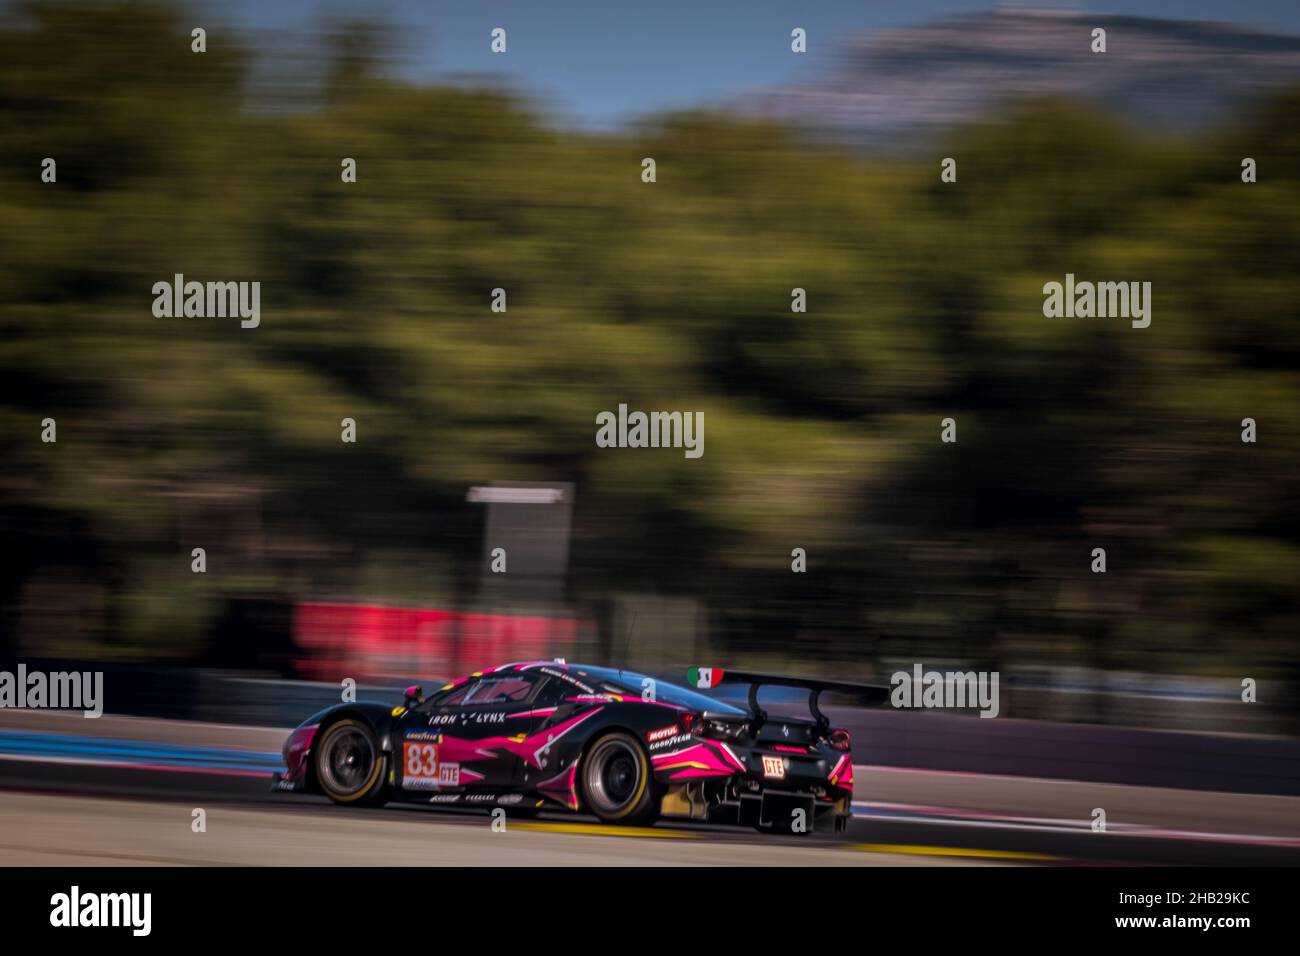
point(623, 746)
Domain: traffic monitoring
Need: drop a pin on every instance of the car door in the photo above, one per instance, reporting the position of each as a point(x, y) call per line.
point(462, 739)
point(546, 708)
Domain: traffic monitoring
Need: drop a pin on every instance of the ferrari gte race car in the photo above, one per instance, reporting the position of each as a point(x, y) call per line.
point(625, 747)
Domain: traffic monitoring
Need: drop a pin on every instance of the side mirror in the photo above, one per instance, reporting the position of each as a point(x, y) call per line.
point(413, 695)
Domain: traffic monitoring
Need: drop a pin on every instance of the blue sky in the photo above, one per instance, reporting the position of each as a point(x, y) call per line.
point(596, 62)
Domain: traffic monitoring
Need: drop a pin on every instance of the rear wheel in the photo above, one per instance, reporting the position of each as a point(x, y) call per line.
point(349, 764)
point(616, 781)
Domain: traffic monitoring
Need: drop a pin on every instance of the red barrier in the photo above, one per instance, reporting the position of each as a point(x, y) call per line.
point(369, 640)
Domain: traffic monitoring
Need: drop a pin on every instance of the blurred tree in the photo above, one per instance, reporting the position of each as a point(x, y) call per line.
point(822, 428)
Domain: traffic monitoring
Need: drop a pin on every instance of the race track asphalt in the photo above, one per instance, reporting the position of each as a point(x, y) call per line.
point(122, 791)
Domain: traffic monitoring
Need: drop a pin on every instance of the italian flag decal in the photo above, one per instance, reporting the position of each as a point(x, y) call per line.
point(704, 677)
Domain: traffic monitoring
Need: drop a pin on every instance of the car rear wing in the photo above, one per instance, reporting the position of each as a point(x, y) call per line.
point(705, 678)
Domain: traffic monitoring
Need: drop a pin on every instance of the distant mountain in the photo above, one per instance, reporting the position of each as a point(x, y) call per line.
point(904, 81)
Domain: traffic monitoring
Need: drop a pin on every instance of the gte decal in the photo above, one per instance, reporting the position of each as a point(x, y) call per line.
point(422, 768)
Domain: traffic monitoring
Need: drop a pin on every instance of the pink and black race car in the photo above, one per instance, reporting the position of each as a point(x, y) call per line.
point(623, 746)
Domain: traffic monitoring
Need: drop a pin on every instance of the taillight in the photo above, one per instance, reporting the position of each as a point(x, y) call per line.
point(839, 739)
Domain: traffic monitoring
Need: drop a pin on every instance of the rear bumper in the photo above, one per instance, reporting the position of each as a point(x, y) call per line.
point(802, 769)
point(711, 780)
point(778, 810)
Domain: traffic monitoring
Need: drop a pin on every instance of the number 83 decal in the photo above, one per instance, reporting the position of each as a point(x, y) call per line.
point(421, 760)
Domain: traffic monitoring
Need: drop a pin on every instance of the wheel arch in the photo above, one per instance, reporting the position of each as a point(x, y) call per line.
point(381, 728)
point(652, 784)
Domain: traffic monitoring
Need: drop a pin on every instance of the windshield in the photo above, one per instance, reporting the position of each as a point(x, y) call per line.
point(633, 682)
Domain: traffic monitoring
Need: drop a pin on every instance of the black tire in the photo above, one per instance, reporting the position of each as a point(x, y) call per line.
point(616, 781)
point(349, 765)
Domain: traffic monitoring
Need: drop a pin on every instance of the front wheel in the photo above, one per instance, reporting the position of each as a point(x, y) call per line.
point(617, 785)
point(350, 765)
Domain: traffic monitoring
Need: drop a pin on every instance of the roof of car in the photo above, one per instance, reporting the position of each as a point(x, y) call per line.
point(670, 694)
